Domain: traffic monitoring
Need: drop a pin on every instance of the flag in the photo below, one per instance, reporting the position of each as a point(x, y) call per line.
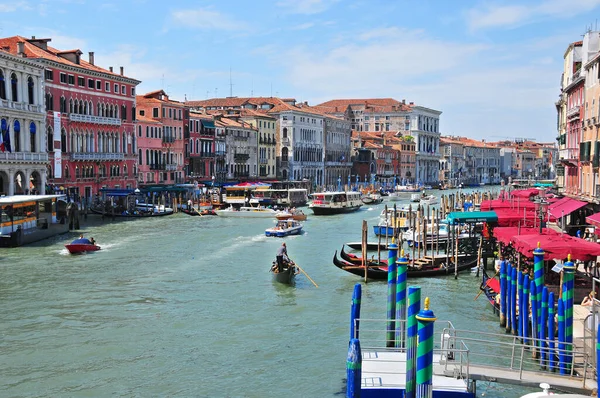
point(2, 142)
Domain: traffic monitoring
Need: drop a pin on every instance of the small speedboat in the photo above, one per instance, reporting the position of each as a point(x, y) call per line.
point(297, 215)
point(82, 245)
point(284, 228)
point(372, 199)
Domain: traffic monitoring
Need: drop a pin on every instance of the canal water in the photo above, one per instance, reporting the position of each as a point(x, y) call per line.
point(184, 306)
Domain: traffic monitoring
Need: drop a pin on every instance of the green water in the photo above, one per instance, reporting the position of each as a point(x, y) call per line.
point(185, 306)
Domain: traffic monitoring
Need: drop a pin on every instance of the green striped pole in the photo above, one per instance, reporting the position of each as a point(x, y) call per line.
point(425, 318)
point(568, 283)
point(538, 277)
point(391, 297)
point(402, 269)
point(414, 306)
point(355, 311)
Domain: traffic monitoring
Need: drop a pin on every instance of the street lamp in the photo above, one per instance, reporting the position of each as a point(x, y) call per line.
point(542, 208)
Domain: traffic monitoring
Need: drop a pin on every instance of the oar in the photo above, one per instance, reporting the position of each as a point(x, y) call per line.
point(486, 285)
point(309, 278)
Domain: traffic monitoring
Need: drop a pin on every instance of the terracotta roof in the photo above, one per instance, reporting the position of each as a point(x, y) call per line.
point(151, 98)
point(9, 44)
point(372, 104)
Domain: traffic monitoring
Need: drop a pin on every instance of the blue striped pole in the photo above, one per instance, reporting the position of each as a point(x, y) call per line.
point(353, 370)
point(392, 251)
point(569, 286)
point(524, 319)
point(508, 296)
point(402, 269)
point(355, 311)
point(520, 304)
point(551, 328)
point(391, 305)
point(561, 338)
point(414, 306)
point(534, 319)
point(513, 301)
point(543, 325)
point(426, 318)
point(502, 293)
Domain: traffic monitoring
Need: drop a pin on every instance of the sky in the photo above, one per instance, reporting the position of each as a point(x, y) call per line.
point(492, 67)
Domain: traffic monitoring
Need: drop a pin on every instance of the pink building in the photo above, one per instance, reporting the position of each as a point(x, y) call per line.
point(90, 118)
point(165, 164)
point(575, 99)
point(201, 147)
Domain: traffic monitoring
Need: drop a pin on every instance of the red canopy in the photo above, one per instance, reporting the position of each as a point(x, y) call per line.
point(506, 234)
point(565, 206)
point(594, 220)
point(525, 193)
point(557, 246)
point(506, 204)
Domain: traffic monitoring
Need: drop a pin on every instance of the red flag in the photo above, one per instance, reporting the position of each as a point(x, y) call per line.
point(2, 148)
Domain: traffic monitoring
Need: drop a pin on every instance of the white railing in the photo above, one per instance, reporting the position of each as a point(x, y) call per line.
point(569, 153)
point(74, 117)
point(573, 111)
point(171, 167)
point(21, 106)
point(97, 156)
point(41, 157)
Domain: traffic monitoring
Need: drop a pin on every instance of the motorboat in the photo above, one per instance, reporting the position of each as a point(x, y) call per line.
point(335, 202)
point(372, 199)
point(82, 245)
point(429, 200)
point(284, 228)
point(293, 214)
point(415, 197)
point(247, 211)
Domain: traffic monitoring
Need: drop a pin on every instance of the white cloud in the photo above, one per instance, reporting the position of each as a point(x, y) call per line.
point(306, 7)
point(129, 57)
point(14, 6)
point(205, 19)
point(303, 26)
point(493, 16)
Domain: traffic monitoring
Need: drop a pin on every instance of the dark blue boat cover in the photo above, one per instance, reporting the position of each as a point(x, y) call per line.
point(82, 241)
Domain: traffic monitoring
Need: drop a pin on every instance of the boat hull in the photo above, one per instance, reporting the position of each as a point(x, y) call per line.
point(82, 248)
point(282, 233)
point(286, 276)
point(167, 212)
point(327, 211)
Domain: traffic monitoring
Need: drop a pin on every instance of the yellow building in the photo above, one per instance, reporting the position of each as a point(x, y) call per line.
point(590, 146)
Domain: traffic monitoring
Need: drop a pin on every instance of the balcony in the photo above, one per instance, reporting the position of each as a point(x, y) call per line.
point(171, 167)
point(285, 141)
point(573, 111)
point(74, 117)
point(206, 154)
point(241, 157)
point(569, 154)
point(97, 156)
point(284, 163)
point(21, 106)
point(157, 166)
point(220, 154)
point(168, 139)
point(263, 161)
point(33, 157)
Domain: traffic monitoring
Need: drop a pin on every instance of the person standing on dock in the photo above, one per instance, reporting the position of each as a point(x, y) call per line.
point(280, 256)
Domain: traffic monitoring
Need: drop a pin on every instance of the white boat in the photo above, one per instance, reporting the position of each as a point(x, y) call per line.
point(372, 199)
point(247, 211)
point(415, 197)
point(284, 228)
point(429, 200)
point(326, 203)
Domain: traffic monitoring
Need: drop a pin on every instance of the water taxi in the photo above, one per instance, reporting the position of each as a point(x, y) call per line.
point(247, 211)
point(29, 218)
point(326, 203)
point(284, 228)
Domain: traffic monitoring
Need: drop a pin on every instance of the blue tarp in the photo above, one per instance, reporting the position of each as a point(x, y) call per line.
point(81, 241)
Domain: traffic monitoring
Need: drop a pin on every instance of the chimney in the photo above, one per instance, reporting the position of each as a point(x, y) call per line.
point(21, 48)
point(411, 104)
point(110, 68)
point(403, 102)
point(121, 70)
point(305, 103)
point(91, 57)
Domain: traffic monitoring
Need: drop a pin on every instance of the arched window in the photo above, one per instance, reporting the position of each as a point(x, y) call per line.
point(14, 83)
point(17, 135)
point(284, 155)
point(63, 140)
point(30, 88)
point(285, 132)
point(133, 143)
point(140, 156)
point(63, 105)
point(71, 105)
point(50, 140)
point(32, 140)
point(148, 159)
point(140, 130)
point(2, 86)
point(66, 172)
point(49, 102)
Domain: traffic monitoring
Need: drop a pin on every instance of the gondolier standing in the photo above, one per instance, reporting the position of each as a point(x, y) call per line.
point(281, 252)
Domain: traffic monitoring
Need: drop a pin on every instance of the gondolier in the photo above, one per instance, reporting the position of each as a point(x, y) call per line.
point(281, 253)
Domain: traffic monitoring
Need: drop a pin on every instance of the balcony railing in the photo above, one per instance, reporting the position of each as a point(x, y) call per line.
point(21, 106)
point(206, 154)
point(37, 157)
point(171, 167)
point(97, 156)
point(241, 157)
point(157, 166)
point(75, 117)
point(263, 161)
point(284, 163)
point(220, 153)
point(285, 141)
point(168, 139)
point(573, 111)
point(569, 154)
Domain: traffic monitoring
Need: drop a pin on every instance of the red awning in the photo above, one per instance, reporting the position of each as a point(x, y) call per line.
point(520, 217)
point(557, 246)
point(594, 220)
point(514, 203)
point(506, 234)
point(525, 193)
point(565, 207)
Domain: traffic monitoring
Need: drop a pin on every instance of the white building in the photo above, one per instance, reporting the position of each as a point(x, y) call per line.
point(23, 169)
point(425, 128)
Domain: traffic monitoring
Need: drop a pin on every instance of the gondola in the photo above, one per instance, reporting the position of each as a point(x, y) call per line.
point(491, 289)
point(134, 214)
point(354, 259)
point(380, 271)
point(189, 212)
point(287, 275)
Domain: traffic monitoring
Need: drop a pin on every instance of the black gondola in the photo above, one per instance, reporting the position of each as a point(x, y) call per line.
point(287, 275)
point(491, 289)
point(189, 212)
point(380, 272)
